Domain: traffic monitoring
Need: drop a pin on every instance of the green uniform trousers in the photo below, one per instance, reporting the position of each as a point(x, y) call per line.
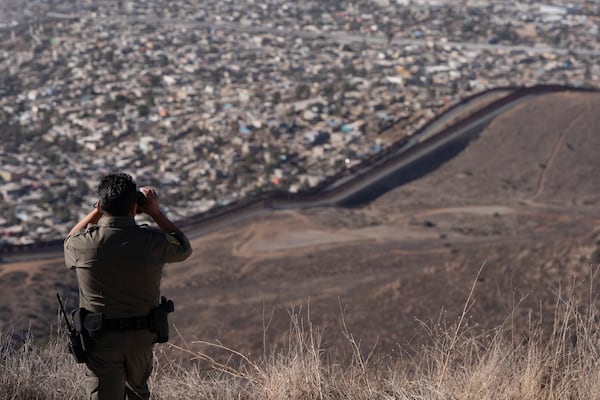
point(119, 366)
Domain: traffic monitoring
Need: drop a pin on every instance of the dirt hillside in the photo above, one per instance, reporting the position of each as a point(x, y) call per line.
point(521, 201)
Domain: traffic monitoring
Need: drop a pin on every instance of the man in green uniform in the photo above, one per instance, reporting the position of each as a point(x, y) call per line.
point(119, 267)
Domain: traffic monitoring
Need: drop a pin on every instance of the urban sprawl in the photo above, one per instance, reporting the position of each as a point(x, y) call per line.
point(214, 101)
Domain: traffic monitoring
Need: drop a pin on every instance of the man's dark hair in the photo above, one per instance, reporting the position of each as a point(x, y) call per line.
point(117, 194)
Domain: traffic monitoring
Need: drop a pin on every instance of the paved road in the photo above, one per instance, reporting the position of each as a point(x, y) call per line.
point(338, 36)
point(350, 37)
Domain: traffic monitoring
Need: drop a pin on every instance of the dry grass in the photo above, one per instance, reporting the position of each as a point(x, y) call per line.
point(32, 371)
point(460, 363)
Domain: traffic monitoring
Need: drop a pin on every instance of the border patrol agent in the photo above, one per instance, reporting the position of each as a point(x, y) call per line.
point(119, 266)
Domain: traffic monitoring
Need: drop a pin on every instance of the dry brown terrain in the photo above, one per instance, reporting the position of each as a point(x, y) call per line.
point(521, 200)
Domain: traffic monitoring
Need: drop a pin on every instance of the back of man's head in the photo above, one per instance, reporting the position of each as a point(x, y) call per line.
point(117, 193)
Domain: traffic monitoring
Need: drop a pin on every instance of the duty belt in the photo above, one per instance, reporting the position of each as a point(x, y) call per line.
point(126, 324)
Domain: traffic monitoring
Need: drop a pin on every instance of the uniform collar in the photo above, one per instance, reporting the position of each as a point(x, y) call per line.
point(107, 220)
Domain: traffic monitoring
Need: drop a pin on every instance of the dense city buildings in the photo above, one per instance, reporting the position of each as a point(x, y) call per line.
point(214, 101)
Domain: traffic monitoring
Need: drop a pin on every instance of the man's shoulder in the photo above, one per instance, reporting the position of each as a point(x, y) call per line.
point(82, 239)
point(149, 230)
point(151, 234)
point(78, 235)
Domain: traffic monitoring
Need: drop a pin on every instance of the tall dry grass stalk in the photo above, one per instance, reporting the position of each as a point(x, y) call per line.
point(31, 371)
point(461, 362)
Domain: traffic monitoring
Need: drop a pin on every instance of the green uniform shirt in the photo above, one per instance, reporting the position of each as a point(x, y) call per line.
point(119, 265)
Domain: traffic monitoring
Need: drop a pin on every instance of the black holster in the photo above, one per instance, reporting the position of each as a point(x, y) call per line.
point(89, 327)
point(159, 321)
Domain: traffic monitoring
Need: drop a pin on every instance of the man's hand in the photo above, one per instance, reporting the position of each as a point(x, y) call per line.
point(152, 206)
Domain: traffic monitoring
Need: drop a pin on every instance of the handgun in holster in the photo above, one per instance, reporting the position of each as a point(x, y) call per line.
point(159, 322)
point(85, 323)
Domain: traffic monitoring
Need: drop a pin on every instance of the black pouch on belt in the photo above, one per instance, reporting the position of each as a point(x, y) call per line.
point(159, 322)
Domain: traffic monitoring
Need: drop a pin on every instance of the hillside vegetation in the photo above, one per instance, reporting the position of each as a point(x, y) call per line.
point(461, 362)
